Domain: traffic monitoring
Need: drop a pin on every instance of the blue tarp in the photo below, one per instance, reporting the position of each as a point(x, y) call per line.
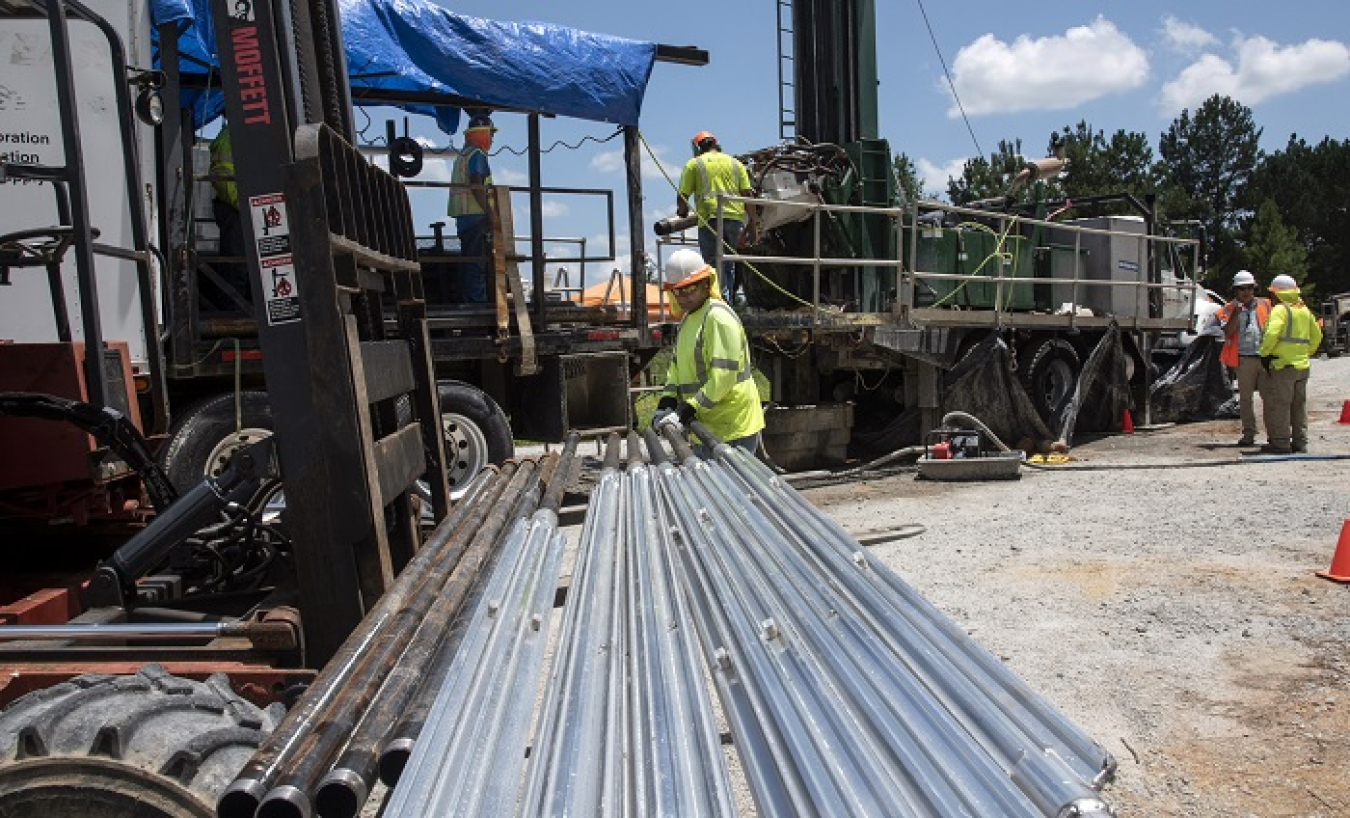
point(418, 46)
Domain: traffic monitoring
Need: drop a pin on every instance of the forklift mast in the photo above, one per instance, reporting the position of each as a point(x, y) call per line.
point(330, 248)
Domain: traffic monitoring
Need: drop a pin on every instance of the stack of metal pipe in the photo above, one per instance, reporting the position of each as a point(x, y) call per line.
point(324, 757)
point(845, 693)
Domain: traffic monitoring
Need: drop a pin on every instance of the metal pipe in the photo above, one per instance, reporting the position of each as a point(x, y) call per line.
point(345, 788)
point(243, 796)
point(119, 632)
point(429, 611)
point(400, 741)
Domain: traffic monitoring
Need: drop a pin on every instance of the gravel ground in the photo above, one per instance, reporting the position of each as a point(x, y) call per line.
point(1171, 612)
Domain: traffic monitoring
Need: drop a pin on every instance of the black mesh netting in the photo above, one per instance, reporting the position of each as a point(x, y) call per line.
point(1102, 393)
point(983, 384)
point(1197, 388)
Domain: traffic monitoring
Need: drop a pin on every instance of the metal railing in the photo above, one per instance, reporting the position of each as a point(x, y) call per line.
point(909, 220)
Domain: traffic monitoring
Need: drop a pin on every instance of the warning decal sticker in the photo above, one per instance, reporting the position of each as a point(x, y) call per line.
point(281, 291)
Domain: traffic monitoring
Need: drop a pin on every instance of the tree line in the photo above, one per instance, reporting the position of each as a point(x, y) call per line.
point(1272, 213)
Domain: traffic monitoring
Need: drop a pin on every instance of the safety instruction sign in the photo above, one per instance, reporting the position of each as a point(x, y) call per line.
point(272, 232)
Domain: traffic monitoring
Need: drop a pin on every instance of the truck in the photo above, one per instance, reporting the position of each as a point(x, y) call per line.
point(183, 357)
point(859, 304)
point(1334, 313)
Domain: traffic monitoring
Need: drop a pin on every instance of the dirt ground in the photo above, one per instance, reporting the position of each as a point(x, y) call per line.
point(1171, 612)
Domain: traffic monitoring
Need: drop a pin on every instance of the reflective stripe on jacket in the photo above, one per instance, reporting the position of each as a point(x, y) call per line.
point(711, 369)
point(712, 173)
point(462, 201)
point(1292, 335)
point(1230, 352)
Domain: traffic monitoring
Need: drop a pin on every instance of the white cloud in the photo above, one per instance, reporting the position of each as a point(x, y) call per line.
point(1047, 73)
point(613, 162)
point(1186, 37)
point(1264, 69)
point(509, 177)
point(935, 177)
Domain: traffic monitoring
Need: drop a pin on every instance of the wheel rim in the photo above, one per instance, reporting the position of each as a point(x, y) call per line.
point(466, 450)
point(226, 449)
point(1059, 378)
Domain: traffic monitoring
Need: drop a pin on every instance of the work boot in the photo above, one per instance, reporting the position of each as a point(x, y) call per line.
point(1271, 448)
point(1247, 440)
point(1300, 447)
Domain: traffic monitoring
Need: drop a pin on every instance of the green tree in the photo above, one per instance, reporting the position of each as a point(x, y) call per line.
point(987, 178)
point(1310, 185)
point(1273, 247)
point(1207, 161)
point(907, 178)
point(1101, 167)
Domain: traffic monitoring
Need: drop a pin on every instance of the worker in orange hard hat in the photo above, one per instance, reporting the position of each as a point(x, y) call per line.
point(710, 376)
point(470, 180)
point(1290, 340)
point(1243, 320)
point(709, 174)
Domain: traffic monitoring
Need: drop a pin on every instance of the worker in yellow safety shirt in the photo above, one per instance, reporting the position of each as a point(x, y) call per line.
point(225, 210)
point(708, 174)
point(710, 376)
point(1243, 319)
point(1291, 338)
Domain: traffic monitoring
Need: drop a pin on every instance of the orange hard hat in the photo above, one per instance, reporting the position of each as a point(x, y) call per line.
point(700, 138)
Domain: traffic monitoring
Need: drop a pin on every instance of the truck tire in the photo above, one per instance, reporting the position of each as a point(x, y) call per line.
point(1048, 369)
point(205, 437)
point(476, 432)
point(149, 745)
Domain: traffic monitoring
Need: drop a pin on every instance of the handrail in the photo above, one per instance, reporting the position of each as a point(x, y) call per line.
point(907, 218)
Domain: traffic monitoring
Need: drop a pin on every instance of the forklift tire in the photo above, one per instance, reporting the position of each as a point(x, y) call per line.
point(205, 437)
point(476, 432)
point(1048, 369)
point(149, 745)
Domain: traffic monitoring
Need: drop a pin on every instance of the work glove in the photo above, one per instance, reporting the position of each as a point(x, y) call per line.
point(678, 419)
point(665, 408)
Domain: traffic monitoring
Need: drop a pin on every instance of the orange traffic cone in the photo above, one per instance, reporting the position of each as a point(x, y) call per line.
point(1127, 422)
point(1340, 563)
point(1345, 413)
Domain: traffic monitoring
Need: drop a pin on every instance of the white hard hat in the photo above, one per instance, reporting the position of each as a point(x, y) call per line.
point(1283, 283)
point(1244, 279)
point(685, 267)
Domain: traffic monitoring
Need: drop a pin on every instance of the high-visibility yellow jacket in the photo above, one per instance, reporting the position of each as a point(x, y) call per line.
point(711, 369)
point(222, 168)
point(470, 162)
point(1292, 334)
point(709, 174)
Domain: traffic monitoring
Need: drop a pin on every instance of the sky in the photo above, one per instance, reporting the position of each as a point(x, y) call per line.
point(1020, 71)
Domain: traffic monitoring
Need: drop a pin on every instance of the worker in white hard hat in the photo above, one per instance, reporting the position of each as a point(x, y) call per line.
point(1243, 319)
point(708, 174)
point(1291, 338)
point(471, 178)
point(710, 376)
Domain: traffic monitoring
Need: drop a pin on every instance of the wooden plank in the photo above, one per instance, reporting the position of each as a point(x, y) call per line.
point(399, 461)
point(388, 369)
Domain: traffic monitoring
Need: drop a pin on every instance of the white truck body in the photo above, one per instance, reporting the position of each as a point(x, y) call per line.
point(30, 133)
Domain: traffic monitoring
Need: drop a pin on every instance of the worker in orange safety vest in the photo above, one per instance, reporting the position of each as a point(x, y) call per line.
point(1243, 320)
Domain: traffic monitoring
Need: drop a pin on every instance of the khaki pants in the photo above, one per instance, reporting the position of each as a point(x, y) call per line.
point(1285, 401)
point(1251, 378)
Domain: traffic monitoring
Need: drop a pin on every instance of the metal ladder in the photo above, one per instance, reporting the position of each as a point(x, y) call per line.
point(787, 72)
